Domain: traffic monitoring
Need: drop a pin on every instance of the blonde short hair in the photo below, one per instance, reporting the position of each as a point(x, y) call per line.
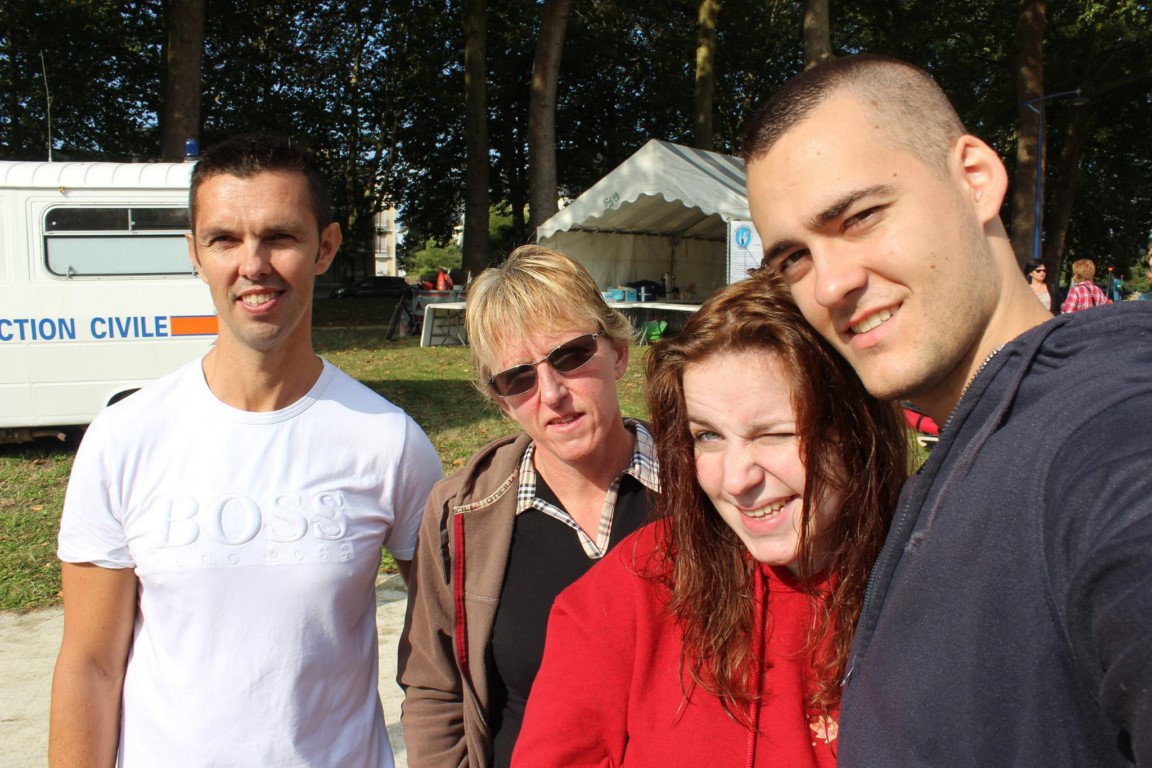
point(1083, 271)
point(536, 289)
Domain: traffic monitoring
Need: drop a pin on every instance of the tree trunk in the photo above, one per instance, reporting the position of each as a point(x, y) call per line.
point(475, 246)
point(705, 71)
point(181, 116)
point(1028, 73)
point(542, 186)
point(817, 34)
point(517, 190)
point(1064, 191)
point(357, 255)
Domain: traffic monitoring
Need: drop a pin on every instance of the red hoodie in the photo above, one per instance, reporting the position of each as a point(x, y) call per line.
point(611, 692)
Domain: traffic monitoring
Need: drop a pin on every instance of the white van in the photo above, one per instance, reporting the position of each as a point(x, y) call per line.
point(97, 296)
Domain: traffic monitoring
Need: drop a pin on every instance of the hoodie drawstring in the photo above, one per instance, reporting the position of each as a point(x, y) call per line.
point(460, 634)
point(759, 614)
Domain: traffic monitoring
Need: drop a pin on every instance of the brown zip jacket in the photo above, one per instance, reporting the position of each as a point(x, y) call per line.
point(452, 600)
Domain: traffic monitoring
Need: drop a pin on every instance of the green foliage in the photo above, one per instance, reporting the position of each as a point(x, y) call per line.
point(502, 232)
point(32, 483)
point(428, 258)
point(101, 59)
point(432, 257)
point(361, 83)
point(1105, 48)
point(1138, 280)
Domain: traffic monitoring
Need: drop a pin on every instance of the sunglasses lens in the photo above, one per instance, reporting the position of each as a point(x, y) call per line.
point(574, 354)
point(514, 381)
point(565, 359)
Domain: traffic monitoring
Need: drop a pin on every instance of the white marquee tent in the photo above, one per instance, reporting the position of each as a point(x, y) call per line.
point(667, 208)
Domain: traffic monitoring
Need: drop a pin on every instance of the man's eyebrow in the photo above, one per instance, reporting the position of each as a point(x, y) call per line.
point(774, 250)
point(846, 201)
point(295, 228)
point(830, 213)
point(208, 232)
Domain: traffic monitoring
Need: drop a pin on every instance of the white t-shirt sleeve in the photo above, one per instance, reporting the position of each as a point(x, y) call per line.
point(417, 471)
point(90, 526)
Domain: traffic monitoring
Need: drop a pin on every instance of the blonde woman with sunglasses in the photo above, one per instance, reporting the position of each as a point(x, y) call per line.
point(528, 514)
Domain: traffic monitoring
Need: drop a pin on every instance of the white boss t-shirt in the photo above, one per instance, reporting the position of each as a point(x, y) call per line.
point(256, 540)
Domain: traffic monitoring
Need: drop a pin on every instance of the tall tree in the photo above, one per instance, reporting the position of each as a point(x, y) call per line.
point(705, 72)
point(1097, 205)
point(372, 86)
point(475, 246)
point(100, 59)
point(817, 33)
point(1064, 193)
point(542, 113)
point(180, 116)
point(634, 83)
point(1028, 74)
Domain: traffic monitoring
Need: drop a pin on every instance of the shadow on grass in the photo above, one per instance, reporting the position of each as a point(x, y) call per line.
point(437, 404)
point(43, 447)
point(351, 312)
point(356, 339)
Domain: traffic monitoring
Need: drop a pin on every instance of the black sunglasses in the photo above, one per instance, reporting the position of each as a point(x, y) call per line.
point(520, 379)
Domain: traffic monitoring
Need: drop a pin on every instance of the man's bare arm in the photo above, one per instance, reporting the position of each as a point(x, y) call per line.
point(99, 614)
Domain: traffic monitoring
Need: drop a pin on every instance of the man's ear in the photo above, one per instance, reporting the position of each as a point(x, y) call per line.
point(330, 239)
point(193, 256)
point(984, 176)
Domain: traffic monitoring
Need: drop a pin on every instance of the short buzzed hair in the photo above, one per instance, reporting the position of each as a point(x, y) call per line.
point(247, 155)
point(909, 105)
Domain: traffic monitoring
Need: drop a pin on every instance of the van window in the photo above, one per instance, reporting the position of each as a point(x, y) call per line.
point(116, 241)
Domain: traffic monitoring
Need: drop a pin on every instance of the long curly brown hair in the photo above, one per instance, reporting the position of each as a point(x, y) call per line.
point(850, 443)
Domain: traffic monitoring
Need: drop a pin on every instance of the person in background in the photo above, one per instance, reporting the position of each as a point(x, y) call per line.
point(528, 514)
point(717, 636)
point(1008, 619)
point(222, 527)
point(1036, 273)
point(1084, 294)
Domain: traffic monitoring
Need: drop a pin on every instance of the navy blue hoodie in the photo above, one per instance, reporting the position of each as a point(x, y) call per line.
point(1008, 620)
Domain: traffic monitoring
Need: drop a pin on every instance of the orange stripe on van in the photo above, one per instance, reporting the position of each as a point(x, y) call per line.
point(194, 325)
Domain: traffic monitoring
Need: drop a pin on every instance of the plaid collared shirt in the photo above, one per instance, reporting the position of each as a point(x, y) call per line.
point(1083, 296)
point(643, 467)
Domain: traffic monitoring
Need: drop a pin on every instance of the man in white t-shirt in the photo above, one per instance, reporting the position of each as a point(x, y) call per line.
point(222, 528)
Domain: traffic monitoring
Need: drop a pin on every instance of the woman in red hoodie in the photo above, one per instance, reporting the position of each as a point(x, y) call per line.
point(718, 635)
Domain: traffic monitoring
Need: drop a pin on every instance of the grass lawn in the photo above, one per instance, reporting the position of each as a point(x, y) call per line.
point(433, 385)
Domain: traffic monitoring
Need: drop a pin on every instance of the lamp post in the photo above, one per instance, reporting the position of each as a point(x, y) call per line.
point(1040, 111)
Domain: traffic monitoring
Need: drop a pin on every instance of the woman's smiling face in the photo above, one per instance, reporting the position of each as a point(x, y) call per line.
point(748, 453)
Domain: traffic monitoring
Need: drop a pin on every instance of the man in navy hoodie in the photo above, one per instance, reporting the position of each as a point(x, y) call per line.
point(1008, 621)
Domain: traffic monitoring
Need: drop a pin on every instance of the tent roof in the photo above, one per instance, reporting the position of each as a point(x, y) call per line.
point(633, 198)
